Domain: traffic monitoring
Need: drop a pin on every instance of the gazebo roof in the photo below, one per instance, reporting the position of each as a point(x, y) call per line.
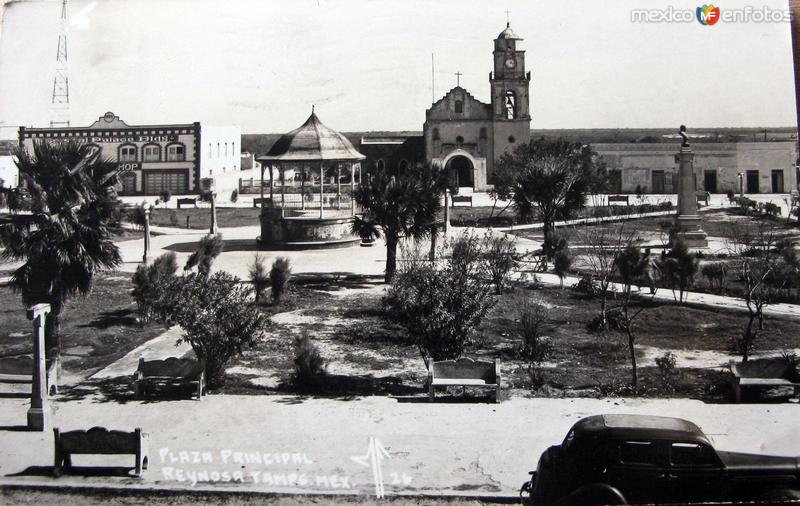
point(313, 141)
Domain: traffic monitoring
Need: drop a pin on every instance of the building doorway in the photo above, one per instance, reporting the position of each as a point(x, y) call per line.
point(777, 181)
point(128, 183)
point(658, 181)
point(615, 181)
point(461, 170)
point(752, 181)
point(710, 181)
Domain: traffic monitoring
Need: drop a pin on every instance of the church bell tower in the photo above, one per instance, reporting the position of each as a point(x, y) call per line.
point(510, 82)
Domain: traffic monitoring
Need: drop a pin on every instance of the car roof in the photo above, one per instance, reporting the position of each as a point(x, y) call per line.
point(644, 426)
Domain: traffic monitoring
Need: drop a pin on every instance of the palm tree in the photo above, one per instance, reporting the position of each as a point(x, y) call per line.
point(399, 207)
point(66, 238)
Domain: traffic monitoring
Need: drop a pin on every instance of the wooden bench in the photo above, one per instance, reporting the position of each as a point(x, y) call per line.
point(764, 372)
point(622, 199)
point(461, 199)
point(187, 201)
point(99, 441)
point(703, 196)
point(19, 370)
point(170, 371)
point(258, 201)
point(464, 372)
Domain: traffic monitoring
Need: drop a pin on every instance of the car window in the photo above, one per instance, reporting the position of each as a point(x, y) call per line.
point(691, 455)
point(638, 452)
point(568, 440)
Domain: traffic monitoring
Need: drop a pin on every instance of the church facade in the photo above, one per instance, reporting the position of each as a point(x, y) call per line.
point(465, 135)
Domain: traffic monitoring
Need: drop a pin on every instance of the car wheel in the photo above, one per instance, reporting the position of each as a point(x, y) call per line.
point(595, 494)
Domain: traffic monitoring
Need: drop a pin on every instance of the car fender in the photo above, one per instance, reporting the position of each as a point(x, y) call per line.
point(594, 494)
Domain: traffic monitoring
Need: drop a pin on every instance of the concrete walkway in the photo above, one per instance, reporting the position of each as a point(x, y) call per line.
point(160, 347)
point(297, 444)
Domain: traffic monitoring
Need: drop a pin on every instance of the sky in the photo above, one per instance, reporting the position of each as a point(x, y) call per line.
point(366, 64)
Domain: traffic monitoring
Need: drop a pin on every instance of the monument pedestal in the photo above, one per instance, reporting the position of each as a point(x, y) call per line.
point(688, 222)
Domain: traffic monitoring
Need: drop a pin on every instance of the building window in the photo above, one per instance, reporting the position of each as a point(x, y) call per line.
point(483, 133)
point(380, 164)
point(459, 140)
point(511, 104)
point(176, 153)
point(218, 150)
point(511, 139)
point(436, 134)
point(459, 106)
point(226, 150)
point(233, 149)
point(403, 165)
point(151, 153)
point(210, 153)
point(127, 153)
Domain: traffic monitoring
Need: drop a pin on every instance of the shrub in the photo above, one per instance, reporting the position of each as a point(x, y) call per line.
point(667, 371)
point(150, 282)
point(731, 196)
point(587, 286)
point(259, 277)
point(309, 366)
point(553, 244)
point(136, 215)
point(217, 316)
point(165, 196)
point(614, 319)
point(439, 303)
point(561, 264)
point(234, 196)
point(769, 209)
point(208, 249)
point(535, 348)
point(679, 268)
point(665, 206)
point(716, 273)
point(500, 259)
point(279, 277)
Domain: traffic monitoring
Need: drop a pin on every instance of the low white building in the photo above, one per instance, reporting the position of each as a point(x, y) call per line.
point(9, 175)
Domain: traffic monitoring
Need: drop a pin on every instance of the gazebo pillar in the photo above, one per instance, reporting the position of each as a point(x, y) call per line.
point(271, 199)
point(321, 186)
point(283, 191)
point(352, 189)
point(338, 186)
point(302, 186)
point(261, 186)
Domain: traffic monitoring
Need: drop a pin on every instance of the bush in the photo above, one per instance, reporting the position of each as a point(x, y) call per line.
point(439, 303)
point(150, 282)
point(587, 286)
point(217, 316)
point(716, 273)
point(208, 249)
point(731, 196)
point(561, 264)
point(667, 371)
point(769, 209)
point(137, 216)
point(309, 366)
point(500, 259)
point(553, 243)
point(614, 318)
point(665, 206)
point(279, 277)
point(535, 348)
point(234, 196)
point(259, 277)
point(165, 196)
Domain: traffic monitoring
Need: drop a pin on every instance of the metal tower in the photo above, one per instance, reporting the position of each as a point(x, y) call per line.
point(60, 102)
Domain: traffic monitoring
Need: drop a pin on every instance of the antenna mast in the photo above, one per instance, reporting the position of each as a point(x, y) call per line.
point(60, 101)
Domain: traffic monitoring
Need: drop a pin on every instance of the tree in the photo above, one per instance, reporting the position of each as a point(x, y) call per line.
point(399, 207)
point(562, 261)
point(259, 277)
point(279, 277)
point(502, 181)
point(552, 179)
point(67, 238)
point(500, 258)
point(678, 269)
point(439, 303)
point(603, 247)
point(631, 265)
point(150, 282)
point(208, 249)
point(217, 316)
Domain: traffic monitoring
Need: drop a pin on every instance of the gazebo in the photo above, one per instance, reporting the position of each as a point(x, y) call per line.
point(310, 152)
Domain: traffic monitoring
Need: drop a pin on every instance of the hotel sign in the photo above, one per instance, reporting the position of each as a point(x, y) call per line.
point(137, 138)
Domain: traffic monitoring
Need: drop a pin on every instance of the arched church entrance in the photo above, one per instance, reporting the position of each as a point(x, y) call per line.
point(461, 169)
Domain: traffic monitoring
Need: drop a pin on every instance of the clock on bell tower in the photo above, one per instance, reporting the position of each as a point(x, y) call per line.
point(510, 82)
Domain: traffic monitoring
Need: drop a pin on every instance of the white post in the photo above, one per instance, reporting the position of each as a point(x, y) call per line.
point(321, 184)
point(39, 412)
point(213, 228)
point(146, 257)
point(446, 213)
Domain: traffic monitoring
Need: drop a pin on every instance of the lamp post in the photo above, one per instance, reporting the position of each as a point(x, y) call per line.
point(146, 257)
point(213, 229)
point(39, 412)
point(741, 185)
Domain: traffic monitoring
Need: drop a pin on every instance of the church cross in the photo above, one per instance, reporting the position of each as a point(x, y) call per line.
point(458, 78)
point(508, 22)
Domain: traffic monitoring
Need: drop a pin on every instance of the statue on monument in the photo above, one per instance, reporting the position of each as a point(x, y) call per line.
point(684, 137)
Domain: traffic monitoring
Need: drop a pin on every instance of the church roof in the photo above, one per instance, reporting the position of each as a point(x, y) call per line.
point(313, 141)
point(508, 33)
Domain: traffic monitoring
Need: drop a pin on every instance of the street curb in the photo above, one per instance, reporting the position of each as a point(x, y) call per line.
point(166, 492)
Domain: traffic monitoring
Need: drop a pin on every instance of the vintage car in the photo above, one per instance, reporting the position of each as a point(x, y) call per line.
point(633, 459)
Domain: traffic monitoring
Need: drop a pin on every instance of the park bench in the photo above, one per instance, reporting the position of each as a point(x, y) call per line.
point(622, 199)
point(461, 199)
point(170, 371)
point(703, 196)
point(19, 370)
point(187, 201)
point(99, 441)
point(258, 201)
point(464, 372)
point(764, 372)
